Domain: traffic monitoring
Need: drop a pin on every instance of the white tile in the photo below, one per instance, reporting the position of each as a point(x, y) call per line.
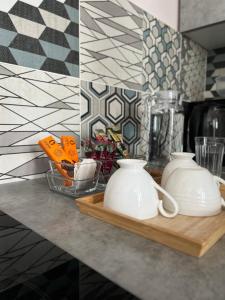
point(31, 113)
point(109, 68)
point(99, 67)
point(37, 75)
point(98, 45)
point(94, 9)
point(32, 140)
point(86, 59)
point(27, 27)
point(86, 38)
point(8, 117)
point(15, 68)
point(138, 53)
point(115, 68)
point(15, 101)
point(4, 92)
point(114, 53)
point(28, 127)
point(57, 127)
point(55, 118)
point(69, 80)
point(74, 106)
point(53, 21)
point(126, 22)
point(7, 127)
point(73, 120)
point(15, 160)
point(75, 128)
point(125, 55)
point(27, 91)
point(89, 76)
point(55, 90)
point(109, 30)
point(94, 15)
point(35, 3)
point(127, 6)
point(6, 5)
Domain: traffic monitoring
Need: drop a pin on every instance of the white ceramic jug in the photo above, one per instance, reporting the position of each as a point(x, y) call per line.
point(132, 191)
point(179, 159)
point(196, 191)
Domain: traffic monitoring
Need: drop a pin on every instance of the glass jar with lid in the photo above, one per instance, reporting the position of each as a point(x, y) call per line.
point(163, 122)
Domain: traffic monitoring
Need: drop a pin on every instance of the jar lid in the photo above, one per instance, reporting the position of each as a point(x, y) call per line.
point(167, 95)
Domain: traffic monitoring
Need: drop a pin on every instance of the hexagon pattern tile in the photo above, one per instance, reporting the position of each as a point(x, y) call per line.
point(193, 70)
point(104, 106)
point(161, 57)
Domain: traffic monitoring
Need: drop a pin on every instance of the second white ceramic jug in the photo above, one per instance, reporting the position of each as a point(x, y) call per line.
point(196, 191)
point(132, 191)
point(178, 160)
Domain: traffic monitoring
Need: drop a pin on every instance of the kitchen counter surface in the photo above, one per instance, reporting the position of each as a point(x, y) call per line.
point(147, 269)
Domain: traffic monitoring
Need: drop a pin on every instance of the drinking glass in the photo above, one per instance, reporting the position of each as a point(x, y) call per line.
point(209, 153)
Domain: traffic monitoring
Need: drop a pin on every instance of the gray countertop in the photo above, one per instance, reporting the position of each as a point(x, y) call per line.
point(147, 269)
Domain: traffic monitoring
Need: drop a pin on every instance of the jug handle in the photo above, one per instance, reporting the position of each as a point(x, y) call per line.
point(222, 181)
point(160, 206)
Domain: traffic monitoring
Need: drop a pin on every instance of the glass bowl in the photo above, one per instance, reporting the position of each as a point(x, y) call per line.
point(79, 179)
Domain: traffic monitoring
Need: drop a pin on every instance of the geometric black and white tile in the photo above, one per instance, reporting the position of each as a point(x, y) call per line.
point(193, 70)
point(24, 254)
point(161, 55)
point(111, 43)
point(59, 283)
point(215, 68)
point(41, 34)
point(94, 286)
point(105, 106)
point(124, 51)
point(33, 104)
point(32, 268)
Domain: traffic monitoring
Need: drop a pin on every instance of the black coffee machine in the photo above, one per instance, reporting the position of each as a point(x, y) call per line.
point(206, 118)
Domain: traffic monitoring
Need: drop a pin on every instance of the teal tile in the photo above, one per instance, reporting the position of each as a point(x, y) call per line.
point(73, 69)
point(55, 51)
point(73, 13)
point(73, 42)
point(6, 37)
point(129, 130)
point(27, 59)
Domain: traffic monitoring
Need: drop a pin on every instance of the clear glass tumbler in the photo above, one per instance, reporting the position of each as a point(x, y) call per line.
point(209, 153)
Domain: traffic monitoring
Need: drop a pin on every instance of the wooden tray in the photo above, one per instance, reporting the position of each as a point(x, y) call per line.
point(191, 235)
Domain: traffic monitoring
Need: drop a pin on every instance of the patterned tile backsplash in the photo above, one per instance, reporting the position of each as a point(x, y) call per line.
point(41, 34)
point(215, 68)
point(124, 51)
point(193, 70)
point(25, 255)
point(104, 106)
point(161, 56)
point(111, 43)
point(33, 104)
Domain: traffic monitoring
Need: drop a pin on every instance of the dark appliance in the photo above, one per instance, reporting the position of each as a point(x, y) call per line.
point(206, 118)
